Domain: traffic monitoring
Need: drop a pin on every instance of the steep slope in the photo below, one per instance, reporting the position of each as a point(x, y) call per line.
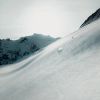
point(13, 50)
point(95, 16)
point(68, 69)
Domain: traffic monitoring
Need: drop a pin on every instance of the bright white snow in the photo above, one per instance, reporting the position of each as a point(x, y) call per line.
point(72, 74)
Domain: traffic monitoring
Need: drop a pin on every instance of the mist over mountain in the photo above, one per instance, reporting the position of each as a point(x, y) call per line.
point(13, 50)
point(95, 16)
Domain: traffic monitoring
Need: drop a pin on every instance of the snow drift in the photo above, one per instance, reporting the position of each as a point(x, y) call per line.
point(68, 69)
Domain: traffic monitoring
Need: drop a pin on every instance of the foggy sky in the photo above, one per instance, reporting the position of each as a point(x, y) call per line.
point(53, 17)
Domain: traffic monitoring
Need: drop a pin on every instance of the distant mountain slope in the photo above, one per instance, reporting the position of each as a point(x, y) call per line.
point(91, 18)
point(12, 50)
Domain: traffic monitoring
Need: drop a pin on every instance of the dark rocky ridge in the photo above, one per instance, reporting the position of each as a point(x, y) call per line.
point(95, 16)
point(14, 50)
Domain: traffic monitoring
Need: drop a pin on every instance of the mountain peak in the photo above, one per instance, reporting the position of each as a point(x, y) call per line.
point(95, 16)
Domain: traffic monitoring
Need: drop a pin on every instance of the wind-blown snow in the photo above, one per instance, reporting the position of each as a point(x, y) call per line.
point(68, 69)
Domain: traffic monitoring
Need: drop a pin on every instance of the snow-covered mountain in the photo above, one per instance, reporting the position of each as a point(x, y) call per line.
point(13, 50)
point(68, 69)
point(95, 16)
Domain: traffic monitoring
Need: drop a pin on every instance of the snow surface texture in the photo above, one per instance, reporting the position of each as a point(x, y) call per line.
point(95, 16)
point(14, 50)
point(68, 69)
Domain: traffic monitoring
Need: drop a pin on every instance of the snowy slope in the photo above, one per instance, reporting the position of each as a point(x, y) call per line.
point(68, 69)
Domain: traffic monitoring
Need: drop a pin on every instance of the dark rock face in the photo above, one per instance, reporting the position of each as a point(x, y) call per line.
point(95, 16)
point(13, 50)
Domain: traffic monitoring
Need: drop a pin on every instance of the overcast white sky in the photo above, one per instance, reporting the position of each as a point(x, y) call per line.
point(53, 17)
